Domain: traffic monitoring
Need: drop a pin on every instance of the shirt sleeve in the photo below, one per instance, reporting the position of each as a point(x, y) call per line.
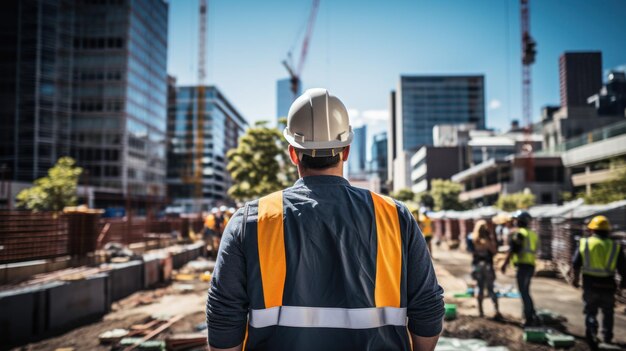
point(577, 261)
point(227, 302)
point(424, 295)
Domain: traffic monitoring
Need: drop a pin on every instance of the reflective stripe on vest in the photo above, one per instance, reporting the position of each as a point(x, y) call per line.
point(272, 261)
point(604, 259)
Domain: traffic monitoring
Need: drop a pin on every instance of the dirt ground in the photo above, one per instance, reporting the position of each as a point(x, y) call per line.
point(135, 309)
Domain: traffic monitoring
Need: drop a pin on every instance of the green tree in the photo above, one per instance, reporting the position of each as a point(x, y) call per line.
point(609, 191)
point(260, 164)
point(55, 191)
point(403, 195)
point(515, 201)
point(426, 199)
point(445, 194)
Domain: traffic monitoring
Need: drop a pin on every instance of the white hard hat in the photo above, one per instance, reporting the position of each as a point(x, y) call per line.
point(231, 210)
point(214, 210)
point(223, 208)
point(318, 124)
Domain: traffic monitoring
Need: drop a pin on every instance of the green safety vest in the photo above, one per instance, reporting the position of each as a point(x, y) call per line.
point(529, 247)
point(599, 256)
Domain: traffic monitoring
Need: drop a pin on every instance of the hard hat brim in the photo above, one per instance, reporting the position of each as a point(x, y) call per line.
point(315, 145)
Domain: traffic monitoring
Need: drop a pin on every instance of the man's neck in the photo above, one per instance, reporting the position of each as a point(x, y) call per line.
point(334, 171)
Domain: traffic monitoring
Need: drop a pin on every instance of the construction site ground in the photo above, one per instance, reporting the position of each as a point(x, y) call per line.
point(453, 270)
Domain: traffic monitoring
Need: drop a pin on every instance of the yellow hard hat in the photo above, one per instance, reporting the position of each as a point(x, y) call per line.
point(599, 223)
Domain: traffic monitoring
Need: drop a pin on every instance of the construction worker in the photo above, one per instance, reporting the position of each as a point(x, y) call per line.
point(599, 257)
point(523, 245)
point(211, 231)
point(427, 228)
point(323, 265)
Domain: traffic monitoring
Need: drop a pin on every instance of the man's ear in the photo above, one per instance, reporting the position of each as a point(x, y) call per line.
point(293, 155)
point(344, 153)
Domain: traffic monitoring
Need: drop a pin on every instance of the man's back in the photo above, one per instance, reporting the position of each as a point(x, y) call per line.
point(332, 258)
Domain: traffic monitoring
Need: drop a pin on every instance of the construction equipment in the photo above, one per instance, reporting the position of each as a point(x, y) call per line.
point(295, 72)
point(528, 58)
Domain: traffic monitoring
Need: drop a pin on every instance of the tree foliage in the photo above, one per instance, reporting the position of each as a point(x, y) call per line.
point(445, 194)
point(609, 191)
point(425, 199)
point(260, 164)
point(55, 191)
point(403, 195)
point(515, 201)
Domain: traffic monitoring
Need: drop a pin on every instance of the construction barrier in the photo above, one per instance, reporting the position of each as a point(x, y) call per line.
point(77, 302)
point(126, 278)
point(23, 314)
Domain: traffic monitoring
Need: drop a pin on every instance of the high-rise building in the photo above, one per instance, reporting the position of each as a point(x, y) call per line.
point(421, 102)
point(36, 90)
point(391, 138)
point(357, 161)
point(580, 76)
point(88, 79)
point(285, 96)
point(379, 159)
point(585, 103)
point(222, 125)
point(425, 101)
point(120, 98)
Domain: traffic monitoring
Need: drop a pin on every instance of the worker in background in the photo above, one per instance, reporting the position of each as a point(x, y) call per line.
point(426, 226)
point(323, 265)
point(483, 249)
point(211, 229)
point(599, 257)
point(523, 243)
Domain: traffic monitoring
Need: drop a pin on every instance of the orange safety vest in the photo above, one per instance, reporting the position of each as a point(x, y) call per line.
point(273, 270)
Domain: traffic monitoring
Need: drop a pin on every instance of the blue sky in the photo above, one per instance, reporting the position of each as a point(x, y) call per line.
point(359, 49)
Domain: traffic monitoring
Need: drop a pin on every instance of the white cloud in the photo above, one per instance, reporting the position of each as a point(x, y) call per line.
point(495, 104)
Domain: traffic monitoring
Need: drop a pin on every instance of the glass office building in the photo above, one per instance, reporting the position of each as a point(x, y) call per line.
point(357, 160)
point(120, 98)
point(87, 78)
point(425, 101)
point(221, 127)
point(35, 86)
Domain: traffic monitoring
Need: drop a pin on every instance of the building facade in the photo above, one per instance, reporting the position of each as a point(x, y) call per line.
point(602, 105)
point(198, 142)
point(596, 157)
point(580, 76)
point(357, 161)
point(431, 162)
point(36, 41)
point(88, 79)
point(378, 163)
point(421, 103)
point(483, 183)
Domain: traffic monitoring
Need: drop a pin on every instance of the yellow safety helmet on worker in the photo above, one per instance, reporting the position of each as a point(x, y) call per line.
point(599, 223)
point(599, 253)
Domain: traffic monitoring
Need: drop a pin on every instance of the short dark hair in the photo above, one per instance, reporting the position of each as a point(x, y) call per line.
point(309, 162)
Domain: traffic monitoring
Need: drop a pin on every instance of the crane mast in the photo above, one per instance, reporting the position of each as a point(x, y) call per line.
point(294, 73)
point(528, 58)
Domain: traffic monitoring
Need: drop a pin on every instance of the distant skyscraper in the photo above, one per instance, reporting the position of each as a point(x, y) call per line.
point(87, 79)
point(285, 96)
point(222, 127)
point(425, 101)
point(580, 76)
point(357, 160)
point(379, 157)
point(36, 89)
point(421, 102)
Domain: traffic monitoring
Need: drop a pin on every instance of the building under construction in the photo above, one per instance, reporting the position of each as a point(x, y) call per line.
point(200, 132)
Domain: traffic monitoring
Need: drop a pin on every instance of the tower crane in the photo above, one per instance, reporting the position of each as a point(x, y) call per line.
point(529, 52)
point(295, 72)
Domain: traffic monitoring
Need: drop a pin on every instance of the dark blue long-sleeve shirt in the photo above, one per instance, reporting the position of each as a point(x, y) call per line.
point(330, 245)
